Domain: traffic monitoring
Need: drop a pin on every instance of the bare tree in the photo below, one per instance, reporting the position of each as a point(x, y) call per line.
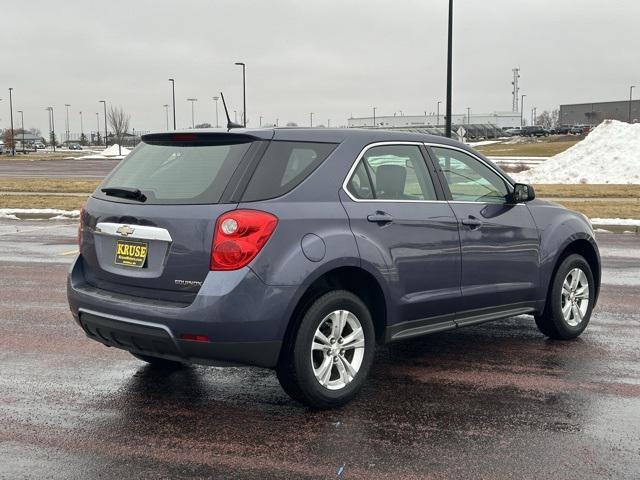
point(119, 122)
point(548, 119)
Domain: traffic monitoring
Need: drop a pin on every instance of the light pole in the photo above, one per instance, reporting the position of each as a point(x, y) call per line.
point(67, 123)
point(468, 115)
point(328, 123)
point(81, 128)
point(260, 120)
point(215, 99)
point(522, 110)
point(311, 119)
point(173, 96)
point(49, 119)
point(98, 130)
point(630, 100)
point(447, 130)
point(244, 92)
point(438, 113)
point(13, 140)
point(533, 115)
point(166, 111)
point(104, 102)
point(193, 118)
point(53, 128)
point(374, 116)
point(22, 127)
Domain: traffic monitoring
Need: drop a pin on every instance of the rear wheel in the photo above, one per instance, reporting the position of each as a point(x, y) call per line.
point(158, 362)
point(568, 307)
point(328, 358)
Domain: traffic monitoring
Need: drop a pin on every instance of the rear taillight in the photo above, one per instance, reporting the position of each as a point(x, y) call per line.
point(80, 227)
point(239, 236)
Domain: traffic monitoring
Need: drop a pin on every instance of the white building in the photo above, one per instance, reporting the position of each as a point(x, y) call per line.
point(498, 119)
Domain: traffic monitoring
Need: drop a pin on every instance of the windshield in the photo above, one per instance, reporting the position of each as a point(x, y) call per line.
point(179, 173)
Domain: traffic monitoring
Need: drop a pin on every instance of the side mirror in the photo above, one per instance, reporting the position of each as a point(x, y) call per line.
point(522, 193)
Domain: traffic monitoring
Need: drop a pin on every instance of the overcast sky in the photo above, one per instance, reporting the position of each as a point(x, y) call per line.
point(332, 57)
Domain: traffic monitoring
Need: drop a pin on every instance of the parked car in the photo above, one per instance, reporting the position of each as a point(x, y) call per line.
point(302, 249)
point(514, 131)
point(39, 146)
point(75, 146)
point(534, 131)
point(561, 130)
point(580, 129)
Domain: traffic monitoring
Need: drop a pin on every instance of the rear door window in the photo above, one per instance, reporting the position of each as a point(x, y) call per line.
point(178, 173)
point(284, 166)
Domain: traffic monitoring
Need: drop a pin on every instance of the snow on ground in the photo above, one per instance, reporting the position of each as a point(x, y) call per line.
point(631, 222)
point(111, 153)
point(51, 213)
point(609, 154)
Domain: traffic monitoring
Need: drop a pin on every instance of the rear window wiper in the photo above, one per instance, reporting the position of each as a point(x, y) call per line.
point(125, 192)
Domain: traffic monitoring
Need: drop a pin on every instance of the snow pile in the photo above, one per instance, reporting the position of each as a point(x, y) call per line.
point(51, 213)
point(609, 154)
point(114, 151)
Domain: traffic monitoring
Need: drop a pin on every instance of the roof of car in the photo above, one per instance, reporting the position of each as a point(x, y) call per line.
point(329, 135)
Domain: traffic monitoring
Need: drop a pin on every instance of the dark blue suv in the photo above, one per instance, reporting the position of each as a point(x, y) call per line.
point(301, 249)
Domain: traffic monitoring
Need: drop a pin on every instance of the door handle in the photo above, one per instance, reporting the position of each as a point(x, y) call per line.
point(380, 217)
point(472, 222)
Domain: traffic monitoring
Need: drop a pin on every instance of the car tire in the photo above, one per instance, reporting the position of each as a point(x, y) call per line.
point(158, 362)
point(327, 359)
point(567, 312)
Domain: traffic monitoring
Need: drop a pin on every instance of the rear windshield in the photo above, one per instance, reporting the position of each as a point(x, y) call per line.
point(284, 166)
point(180, 173)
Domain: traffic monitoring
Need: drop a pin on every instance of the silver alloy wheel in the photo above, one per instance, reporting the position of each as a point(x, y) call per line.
point(337, 350)
point(575, 297)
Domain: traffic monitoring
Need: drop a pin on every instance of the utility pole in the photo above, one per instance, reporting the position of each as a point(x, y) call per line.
point(438, 113)
point(516, 89)
point(260, 120)
point(67, 122)
point(22, 123)
point(13, 140)
point(374, 117)
point(81, 127)
point(193, 121)
point(244, 92)
point(311, 119)
point(215, 99)
point(104, 102)
point(98, 123)
point(447, 130)
point(173, 96)
point(468, 115)
point(522, 110)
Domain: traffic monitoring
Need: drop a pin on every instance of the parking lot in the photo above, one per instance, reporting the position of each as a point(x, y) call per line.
point(493, 401)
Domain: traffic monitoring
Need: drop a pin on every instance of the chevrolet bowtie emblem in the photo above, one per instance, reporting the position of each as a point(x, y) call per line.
point(125, 230)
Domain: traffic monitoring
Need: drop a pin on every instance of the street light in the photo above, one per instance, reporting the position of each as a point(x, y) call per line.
point(215, 99)
point(22, 123)
point(522, 110)
point(193, 122)
point(81, 128)
point(447, 130)
point(13, 141)
point(67, 124)
point(374, 116)
point(260, 120)
point(104, 102)
point(98, 130)
point(173, 96)
point(630, 100)
point(53, 127)
point(166, 111)
point(244, 92)
point(438, 114)
point(468, 115)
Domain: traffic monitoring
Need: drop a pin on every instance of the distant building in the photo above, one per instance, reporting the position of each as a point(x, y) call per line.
point(595, 112)
point(498, 119)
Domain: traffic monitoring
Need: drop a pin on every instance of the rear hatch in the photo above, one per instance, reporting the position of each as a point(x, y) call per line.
point(147, 230)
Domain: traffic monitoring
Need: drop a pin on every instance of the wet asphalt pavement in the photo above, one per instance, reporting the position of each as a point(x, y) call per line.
point(63, 168)
point(493, 401)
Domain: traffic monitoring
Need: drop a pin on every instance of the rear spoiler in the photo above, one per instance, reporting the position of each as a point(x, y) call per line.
point(198, 138)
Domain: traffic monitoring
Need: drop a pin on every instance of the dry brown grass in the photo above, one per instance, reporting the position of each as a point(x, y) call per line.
point(604, 209)
point(587, 191)
point(40, 201)
point(45, 155)
point(544, 148)
point(58, 185)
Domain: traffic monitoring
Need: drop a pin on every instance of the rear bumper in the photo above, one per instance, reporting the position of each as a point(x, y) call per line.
point(244, 319)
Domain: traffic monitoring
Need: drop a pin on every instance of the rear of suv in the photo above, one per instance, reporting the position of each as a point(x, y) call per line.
point(301, 249)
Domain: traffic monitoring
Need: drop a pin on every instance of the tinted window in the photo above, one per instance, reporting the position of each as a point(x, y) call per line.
point(469, 179)
point(178, 174)
point(283, 166)
point(397, 172)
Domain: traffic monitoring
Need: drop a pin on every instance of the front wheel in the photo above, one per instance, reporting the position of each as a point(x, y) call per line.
point(570, 301)
point(328, 358)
